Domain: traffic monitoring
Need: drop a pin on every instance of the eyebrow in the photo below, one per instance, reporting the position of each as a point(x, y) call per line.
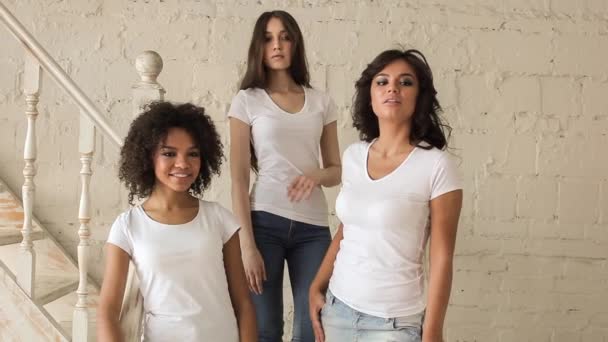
point(404, 74)
point(167, 147)
point(282, 31)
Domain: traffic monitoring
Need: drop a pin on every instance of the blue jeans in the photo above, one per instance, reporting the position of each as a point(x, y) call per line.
point(342, 323)
point(303, 246)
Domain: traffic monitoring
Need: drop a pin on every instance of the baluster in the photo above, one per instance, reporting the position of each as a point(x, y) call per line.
point(27, 257)
point(81, 328)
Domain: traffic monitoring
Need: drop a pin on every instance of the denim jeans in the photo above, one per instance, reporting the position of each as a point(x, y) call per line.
point(303, 246)
point(342, 323)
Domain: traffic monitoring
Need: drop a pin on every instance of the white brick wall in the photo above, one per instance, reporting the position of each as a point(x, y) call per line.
point(523, 83)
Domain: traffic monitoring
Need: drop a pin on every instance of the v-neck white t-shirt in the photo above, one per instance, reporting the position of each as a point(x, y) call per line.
point(181, 273)
point(286, 145)
point(379, 267)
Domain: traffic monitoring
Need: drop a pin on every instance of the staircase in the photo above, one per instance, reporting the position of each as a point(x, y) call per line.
point(45, 295)
point(56, 278)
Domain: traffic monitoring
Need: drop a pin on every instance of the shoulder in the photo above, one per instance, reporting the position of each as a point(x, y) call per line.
point(317, 95)
point(125, 219)
point(437, 158)
point(355, 150)
point(221, 219)
point(315, 92)
point(126, 226)
point(248, 93)
point(432, 152)
point(215, 209)
point(357, 146)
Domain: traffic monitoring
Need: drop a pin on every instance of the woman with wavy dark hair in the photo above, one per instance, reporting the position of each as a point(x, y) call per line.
point(399, 187)
point(278, 125)
point(185, 250)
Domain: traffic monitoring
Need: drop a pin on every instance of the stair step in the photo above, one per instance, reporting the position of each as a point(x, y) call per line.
point(11, 219)
point(50, 288)
point(11, 235)
point(20, 318)
point(55, 275)
point(62, 310)
point(49, 258)
point(67, 327)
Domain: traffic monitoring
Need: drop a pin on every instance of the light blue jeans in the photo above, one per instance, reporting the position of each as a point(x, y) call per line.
point(341, 323)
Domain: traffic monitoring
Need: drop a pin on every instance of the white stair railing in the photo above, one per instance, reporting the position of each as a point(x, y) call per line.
point(50, 66)
point(149, 65)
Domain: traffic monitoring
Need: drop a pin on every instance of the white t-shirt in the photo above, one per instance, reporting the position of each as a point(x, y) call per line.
point(286, 146)
point(181, 273)
point(379, 267)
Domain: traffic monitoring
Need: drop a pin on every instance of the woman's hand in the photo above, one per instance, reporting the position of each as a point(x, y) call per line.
point(254, 269)
point(316, 300)
point(301, 188)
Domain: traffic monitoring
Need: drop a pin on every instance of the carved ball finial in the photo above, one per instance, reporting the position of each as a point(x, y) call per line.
point(149, 65)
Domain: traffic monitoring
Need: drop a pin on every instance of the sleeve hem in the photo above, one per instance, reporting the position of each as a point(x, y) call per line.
point(239, 118)
point(231, 233)
point(119, 246)
point(445, 191)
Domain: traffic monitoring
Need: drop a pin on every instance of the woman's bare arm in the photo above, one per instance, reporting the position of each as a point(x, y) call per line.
point(240, 164)
point(239, 292)
point(111, 296)
point(445, 211)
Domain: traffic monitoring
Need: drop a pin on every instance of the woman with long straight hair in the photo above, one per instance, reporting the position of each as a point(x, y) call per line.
point(278, 127)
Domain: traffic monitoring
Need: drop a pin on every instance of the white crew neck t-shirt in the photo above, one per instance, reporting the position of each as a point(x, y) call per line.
point(379, 267)
point(181, 273)
point(286, 145)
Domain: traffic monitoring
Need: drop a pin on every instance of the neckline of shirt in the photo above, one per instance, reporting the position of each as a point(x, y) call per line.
point(277, 107)
point(365, 161)
point(166, 225)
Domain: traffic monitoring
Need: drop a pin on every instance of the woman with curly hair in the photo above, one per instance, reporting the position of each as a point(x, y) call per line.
point(185, 250)
point(399, 186)
point(284, 218)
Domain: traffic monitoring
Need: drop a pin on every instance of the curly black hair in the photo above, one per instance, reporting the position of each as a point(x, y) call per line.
point(149, 130)
point(427, 126)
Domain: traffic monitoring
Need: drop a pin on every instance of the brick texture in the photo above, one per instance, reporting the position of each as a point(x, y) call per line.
point(523, 84)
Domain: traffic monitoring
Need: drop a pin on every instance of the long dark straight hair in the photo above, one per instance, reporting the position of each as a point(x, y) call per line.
point(256, 75)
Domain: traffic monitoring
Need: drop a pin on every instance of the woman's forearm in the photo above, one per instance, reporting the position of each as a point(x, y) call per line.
point(329, 176)
point(245, 316)
point(242, 209)
point(108, 328)
point(440, 285)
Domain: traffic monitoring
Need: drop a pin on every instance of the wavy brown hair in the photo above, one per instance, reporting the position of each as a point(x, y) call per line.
point(427, 125)
point(149, 130)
